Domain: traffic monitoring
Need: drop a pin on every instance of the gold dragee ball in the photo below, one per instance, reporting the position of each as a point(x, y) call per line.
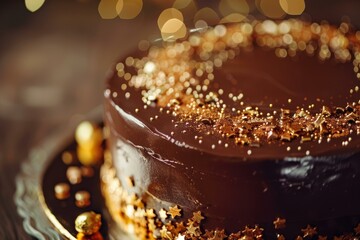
point(88, 134)
point(88, 223)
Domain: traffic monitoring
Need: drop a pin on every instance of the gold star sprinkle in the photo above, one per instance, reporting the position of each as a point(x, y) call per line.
point(165, 234)
point(257, 231)
point(192, 230)
point(208, 234)
point(179, 227)
point(338, 237)
point(235, 236)
point(170, 226)
point(322, 237)
point(197, 217)
point(279, 223)
point(174, 211)
point(139, 203)
point(298, 238)
point(180, 237)
point(163, 214)
point(357, 229)
point(248, 232)
point(309, 231)
point(218, 235)
point(150, 213)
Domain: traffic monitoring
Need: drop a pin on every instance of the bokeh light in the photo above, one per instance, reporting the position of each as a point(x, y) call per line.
point(233, 18)
point(33, 5)
point(293, 7)
point(173, 29)
point(107, 9)
point(129, 9)
point(187, 7)
point(227, 7)
point(168, 14)
point(270, 8)
point(208, 15)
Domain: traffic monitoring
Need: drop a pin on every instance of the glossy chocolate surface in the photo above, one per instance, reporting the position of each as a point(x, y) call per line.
point(304, 182)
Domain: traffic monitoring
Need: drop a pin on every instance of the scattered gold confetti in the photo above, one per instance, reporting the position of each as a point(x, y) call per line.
point(163, 214)
point(309, 231)
point(197, 217)
point(279, 223)
point(174, 212)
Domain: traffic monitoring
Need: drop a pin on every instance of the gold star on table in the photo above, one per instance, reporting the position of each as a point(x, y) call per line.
point(279, 223)
point(174, 211)
point(180, 237)
point(309, 231)
point(258, 231)
point(357, 229)
point(298, 238)
point(235, 236)
point(322, 237)
point(197, 217)
point(248, 232)
point(163, 214)
point(218, 235)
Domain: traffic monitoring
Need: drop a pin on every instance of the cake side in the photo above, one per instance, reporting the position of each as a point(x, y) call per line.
point(240, 169)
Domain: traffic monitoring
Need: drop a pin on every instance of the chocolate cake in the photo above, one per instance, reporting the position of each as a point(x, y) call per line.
point(243, 131)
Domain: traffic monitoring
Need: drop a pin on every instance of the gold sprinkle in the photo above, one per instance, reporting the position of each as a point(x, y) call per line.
point(174, 211)
point(67, 157)
point(74, 175)
point(62, 191)
point(82, 199)
point(279, 223)
point(197, 217)
point(163, 214)
point(309, 231)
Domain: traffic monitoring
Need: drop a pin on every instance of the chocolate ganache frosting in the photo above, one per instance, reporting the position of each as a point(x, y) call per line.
point(244, 131)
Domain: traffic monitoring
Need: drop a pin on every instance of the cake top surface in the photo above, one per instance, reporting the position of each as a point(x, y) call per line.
point(250, 89)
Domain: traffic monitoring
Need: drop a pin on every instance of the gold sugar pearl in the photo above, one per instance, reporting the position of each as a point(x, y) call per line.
point(88, 135)
point(67, 157)
point(82, 199)
point(62, 191)
point(89, 155)
point(88, 223)
point(74, 175)
point(87, 171)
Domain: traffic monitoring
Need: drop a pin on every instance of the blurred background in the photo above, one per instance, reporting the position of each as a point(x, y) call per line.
point(54, 56)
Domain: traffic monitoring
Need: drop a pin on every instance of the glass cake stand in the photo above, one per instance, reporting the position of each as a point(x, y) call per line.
point(45, 217)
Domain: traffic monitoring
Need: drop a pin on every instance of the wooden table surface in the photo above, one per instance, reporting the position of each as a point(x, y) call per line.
point(52, 66)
